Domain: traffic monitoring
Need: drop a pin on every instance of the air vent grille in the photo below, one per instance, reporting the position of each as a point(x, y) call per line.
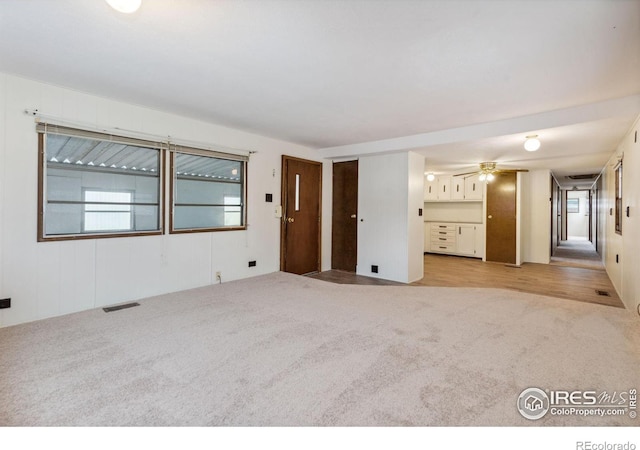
point(119, 307)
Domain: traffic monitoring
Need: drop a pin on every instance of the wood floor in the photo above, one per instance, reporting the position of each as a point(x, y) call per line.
point(573, 283)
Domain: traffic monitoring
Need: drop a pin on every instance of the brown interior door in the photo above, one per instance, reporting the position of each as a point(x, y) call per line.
point(301, 212)
point(501, 218)
point(344, 239)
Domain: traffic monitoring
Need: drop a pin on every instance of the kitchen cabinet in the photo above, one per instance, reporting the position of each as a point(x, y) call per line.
point(473, 188)
point(466, 239)
point(451, 238)
point(444, 188)
point(447, 188)
point(430, 190)
point(457, 188)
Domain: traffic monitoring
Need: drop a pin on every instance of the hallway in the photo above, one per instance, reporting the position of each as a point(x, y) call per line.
point(577, 252)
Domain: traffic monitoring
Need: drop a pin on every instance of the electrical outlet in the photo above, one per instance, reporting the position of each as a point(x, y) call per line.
point(5, 303)
point(374, 269)
point(219, 276)
point(252, 263)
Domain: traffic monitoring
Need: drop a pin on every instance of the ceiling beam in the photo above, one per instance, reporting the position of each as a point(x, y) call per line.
point(524, 124)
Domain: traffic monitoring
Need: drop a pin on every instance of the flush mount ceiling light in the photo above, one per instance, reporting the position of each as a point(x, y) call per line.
point(430, 176)
point(125, 6)
point(532, 143)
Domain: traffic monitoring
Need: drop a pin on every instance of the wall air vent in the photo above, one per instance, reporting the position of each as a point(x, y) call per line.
point(119, 307)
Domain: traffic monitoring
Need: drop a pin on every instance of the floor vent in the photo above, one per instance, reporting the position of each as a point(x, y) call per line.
point(603, 293)
point(119, 307)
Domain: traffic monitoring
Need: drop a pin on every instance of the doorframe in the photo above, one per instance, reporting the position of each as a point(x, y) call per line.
point(283, 202)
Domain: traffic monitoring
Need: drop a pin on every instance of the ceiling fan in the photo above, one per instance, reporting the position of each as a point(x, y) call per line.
point(487, 171)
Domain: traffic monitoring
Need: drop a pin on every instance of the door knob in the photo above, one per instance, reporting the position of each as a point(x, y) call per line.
point(490, 216)
point(290, 219)
point(353, 216)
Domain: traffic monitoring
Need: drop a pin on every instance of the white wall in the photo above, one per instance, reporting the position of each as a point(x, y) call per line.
point(415, 237)
point(536, 216)
point(578, 223)
point(3, 169)
point(327, 212)
point(470, 212)
point(631, 224)
point(612, 241)
point(390, 232)
point(624, 272)
point(53, 278)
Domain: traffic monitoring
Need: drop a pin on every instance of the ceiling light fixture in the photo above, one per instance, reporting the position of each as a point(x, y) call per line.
point(125, 6)
point(431, 177)
point(532, 143)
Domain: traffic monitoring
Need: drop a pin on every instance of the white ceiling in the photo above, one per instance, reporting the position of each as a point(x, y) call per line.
point(460, 81)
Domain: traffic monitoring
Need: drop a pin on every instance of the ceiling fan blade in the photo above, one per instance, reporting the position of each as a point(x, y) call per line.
point(466, 173)
point(511, 170)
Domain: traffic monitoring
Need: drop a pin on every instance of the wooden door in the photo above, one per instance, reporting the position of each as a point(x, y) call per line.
point(344, 241)
point(301, 212)
point(501, 218)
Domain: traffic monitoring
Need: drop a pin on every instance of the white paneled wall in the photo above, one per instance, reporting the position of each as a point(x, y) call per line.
point(415, 222)
point(623, 271)
point(536, 216)
point(52, 278)
point(3, 168)
point(390, 232)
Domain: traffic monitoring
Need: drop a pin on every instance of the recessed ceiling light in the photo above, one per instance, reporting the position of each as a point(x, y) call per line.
point(431, 177)
point(125, 6)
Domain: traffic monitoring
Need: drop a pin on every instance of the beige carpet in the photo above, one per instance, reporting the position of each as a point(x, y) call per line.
point(287, 350)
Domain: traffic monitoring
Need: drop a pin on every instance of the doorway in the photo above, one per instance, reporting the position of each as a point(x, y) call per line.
point(501, 218)
point(580, 233)
point(578, 212)
point(301, 215)
point(344, 234)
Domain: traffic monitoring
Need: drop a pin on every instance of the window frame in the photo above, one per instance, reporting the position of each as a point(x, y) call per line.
point(42, 130)
point(618, 174)
point(173, 152)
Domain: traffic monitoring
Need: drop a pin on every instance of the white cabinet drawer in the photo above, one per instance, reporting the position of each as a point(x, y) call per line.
point(442, 233)
point(443, 248)
point(443, 239)
point(443, 227)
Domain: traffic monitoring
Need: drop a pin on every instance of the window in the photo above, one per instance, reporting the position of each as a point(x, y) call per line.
point(97, 185)
point(232, 211)
point(208, 191)
point(107, 211)
point(618, 176)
